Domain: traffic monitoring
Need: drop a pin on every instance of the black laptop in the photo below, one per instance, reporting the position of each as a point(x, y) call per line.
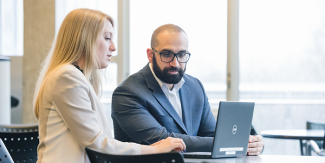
point(232, 132)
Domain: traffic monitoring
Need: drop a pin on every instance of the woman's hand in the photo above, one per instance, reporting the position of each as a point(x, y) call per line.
point(164, 145)
point(169, 144)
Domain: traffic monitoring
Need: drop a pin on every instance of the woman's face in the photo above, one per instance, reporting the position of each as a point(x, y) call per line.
point(106, 45)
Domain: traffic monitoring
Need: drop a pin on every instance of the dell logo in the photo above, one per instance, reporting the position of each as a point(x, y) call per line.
point(234, 129)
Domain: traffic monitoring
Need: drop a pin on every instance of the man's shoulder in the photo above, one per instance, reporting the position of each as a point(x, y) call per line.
point(134, 84)
point(134, 87)
point(134, 79)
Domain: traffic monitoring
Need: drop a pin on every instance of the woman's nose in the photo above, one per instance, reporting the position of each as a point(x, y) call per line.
point(112, 47)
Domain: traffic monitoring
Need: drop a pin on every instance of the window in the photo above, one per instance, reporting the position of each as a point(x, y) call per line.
point(206, 27)
point(282, 65)
point(11, 28)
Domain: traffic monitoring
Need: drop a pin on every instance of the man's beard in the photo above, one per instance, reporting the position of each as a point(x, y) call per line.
point(164, 76)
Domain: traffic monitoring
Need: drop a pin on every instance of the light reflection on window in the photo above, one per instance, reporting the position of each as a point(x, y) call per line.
point(11, 27)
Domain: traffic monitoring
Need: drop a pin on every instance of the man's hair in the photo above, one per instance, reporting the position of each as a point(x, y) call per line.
point(167, 27)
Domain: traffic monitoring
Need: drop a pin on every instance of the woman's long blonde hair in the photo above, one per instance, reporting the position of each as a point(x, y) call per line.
point(77, 37)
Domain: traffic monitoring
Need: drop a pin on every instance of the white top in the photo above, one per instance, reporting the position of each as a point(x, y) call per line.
point(172, 95)
point(71, 118)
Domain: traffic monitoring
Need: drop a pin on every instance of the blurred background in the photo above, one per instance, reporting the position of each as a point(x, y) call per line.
point(281, 62)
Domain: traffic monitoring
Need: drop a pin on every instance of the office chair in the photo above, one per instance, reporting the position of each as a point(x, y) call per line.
point(315, 145)
point(21, 141)
point(97, 157)
point(4, 154)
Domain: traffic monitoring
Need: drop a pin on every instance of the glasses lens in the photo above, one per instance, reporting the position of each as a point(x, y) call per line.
point(183, 56)
point(167, 56)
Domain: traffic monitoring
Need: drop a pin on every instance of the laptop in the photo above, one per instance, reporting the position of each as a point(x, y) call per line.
point(232, 132)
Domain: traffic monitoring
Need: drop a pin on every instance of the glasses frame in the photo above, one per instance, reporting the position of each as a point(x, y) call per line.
point(175, 55)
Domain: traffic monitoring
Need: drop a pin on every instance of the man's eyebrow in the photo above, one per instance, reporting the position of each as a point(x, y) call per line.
point(167, 50)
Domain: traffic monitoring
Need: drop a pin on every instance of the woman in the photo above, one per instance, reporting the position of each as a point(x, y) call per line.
point(66, 97)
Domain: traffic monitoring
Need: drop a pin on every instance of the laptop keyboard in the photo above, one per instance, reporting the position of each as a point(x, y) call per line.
point(197, 154)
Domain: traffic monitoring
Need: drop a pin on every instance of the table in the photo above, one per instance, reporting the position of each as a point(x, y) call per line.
point(262, 159)
point(295, 134)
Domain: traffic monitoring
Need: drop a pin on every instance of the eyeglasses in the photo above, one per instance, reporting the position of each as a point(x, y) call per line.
point(168, 56)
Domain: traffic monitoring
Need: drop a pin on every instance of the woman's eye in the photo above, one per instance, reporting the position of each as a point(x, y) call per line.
point(107, 38)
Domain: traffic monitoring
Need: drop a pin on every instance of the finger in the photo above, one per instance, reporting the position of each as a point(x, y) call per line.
point(184, 145)
point(252, 138)
point(259, 149)
point(177, 141)
point(251, 145)
point(252, 150)
point(256, 144)
point(178, 147)
point(261, 144)
point(180, 141)
point(258, 138)
point(255, 138)
point(255, 150)
point(253, 154)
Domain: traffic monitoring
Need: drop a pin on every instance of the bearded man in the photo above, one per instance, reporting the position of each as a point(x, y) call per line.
point(162, 101)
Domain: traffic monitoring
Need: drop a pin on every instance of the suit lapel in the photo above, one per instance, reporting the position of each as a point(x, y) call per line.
point(161, 97)
point(185, 97)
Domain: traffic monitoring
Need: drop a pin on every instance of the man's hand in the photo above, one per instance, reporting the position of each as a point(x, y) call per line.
point(255, 145)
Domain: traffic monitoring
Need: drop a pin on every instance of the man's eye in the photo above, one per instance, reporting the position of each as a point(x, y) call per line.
point(166, 54)
point(182, 54)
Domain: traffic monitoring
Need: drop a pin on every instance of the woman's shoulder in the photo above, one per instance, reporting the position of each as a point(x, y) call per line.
point(68, 73)
point(67, 69)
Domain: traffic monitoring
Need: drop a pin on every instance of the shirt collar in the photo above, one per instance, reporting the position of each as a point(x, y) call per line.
point(163, 84)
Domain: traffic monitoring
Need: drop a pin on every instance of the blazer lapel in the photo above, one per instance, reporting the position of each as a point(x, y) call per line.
point(160, 96)
point(185, 97)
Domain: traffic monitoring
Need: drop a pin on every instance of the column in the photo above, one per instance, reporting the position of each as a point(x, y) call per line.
point(39, 31)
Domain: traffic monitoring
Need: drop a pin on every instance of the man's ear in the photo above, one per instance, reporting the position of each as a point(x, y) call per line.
point(150, 55)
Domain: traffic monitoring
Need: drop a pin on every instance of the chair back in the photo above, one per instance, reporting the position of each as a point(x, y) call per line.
point(21, 141)
point(4, 154)
point(97, 157)
point(324, 141)
point(317, 126)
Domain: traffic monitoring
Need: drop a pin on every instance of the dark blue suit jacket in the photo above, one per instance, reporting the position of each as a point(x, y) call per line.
point(142, 113)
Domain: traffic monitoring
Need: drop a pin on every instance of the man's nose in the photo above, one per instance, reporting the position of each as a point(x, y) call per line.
point(174, 63)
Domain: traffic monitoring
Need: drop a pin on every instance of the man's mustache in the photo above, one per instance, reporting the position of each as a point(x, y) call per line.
point(172, 69)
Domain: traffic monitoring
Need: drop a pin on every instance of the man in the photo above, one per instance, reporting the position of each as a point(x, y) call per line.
point(162, 101)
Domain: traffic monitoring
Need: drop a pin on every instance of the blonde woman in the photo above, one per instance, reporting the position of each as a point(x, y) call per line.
point(66, 98)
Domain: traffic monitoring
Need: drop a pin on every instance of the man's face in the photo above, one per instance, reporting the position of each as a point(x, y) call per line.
point(172, 72)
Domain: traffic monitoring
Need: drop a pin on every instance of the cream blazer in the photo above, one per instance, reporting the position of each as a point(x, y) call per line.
point(71, 118)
